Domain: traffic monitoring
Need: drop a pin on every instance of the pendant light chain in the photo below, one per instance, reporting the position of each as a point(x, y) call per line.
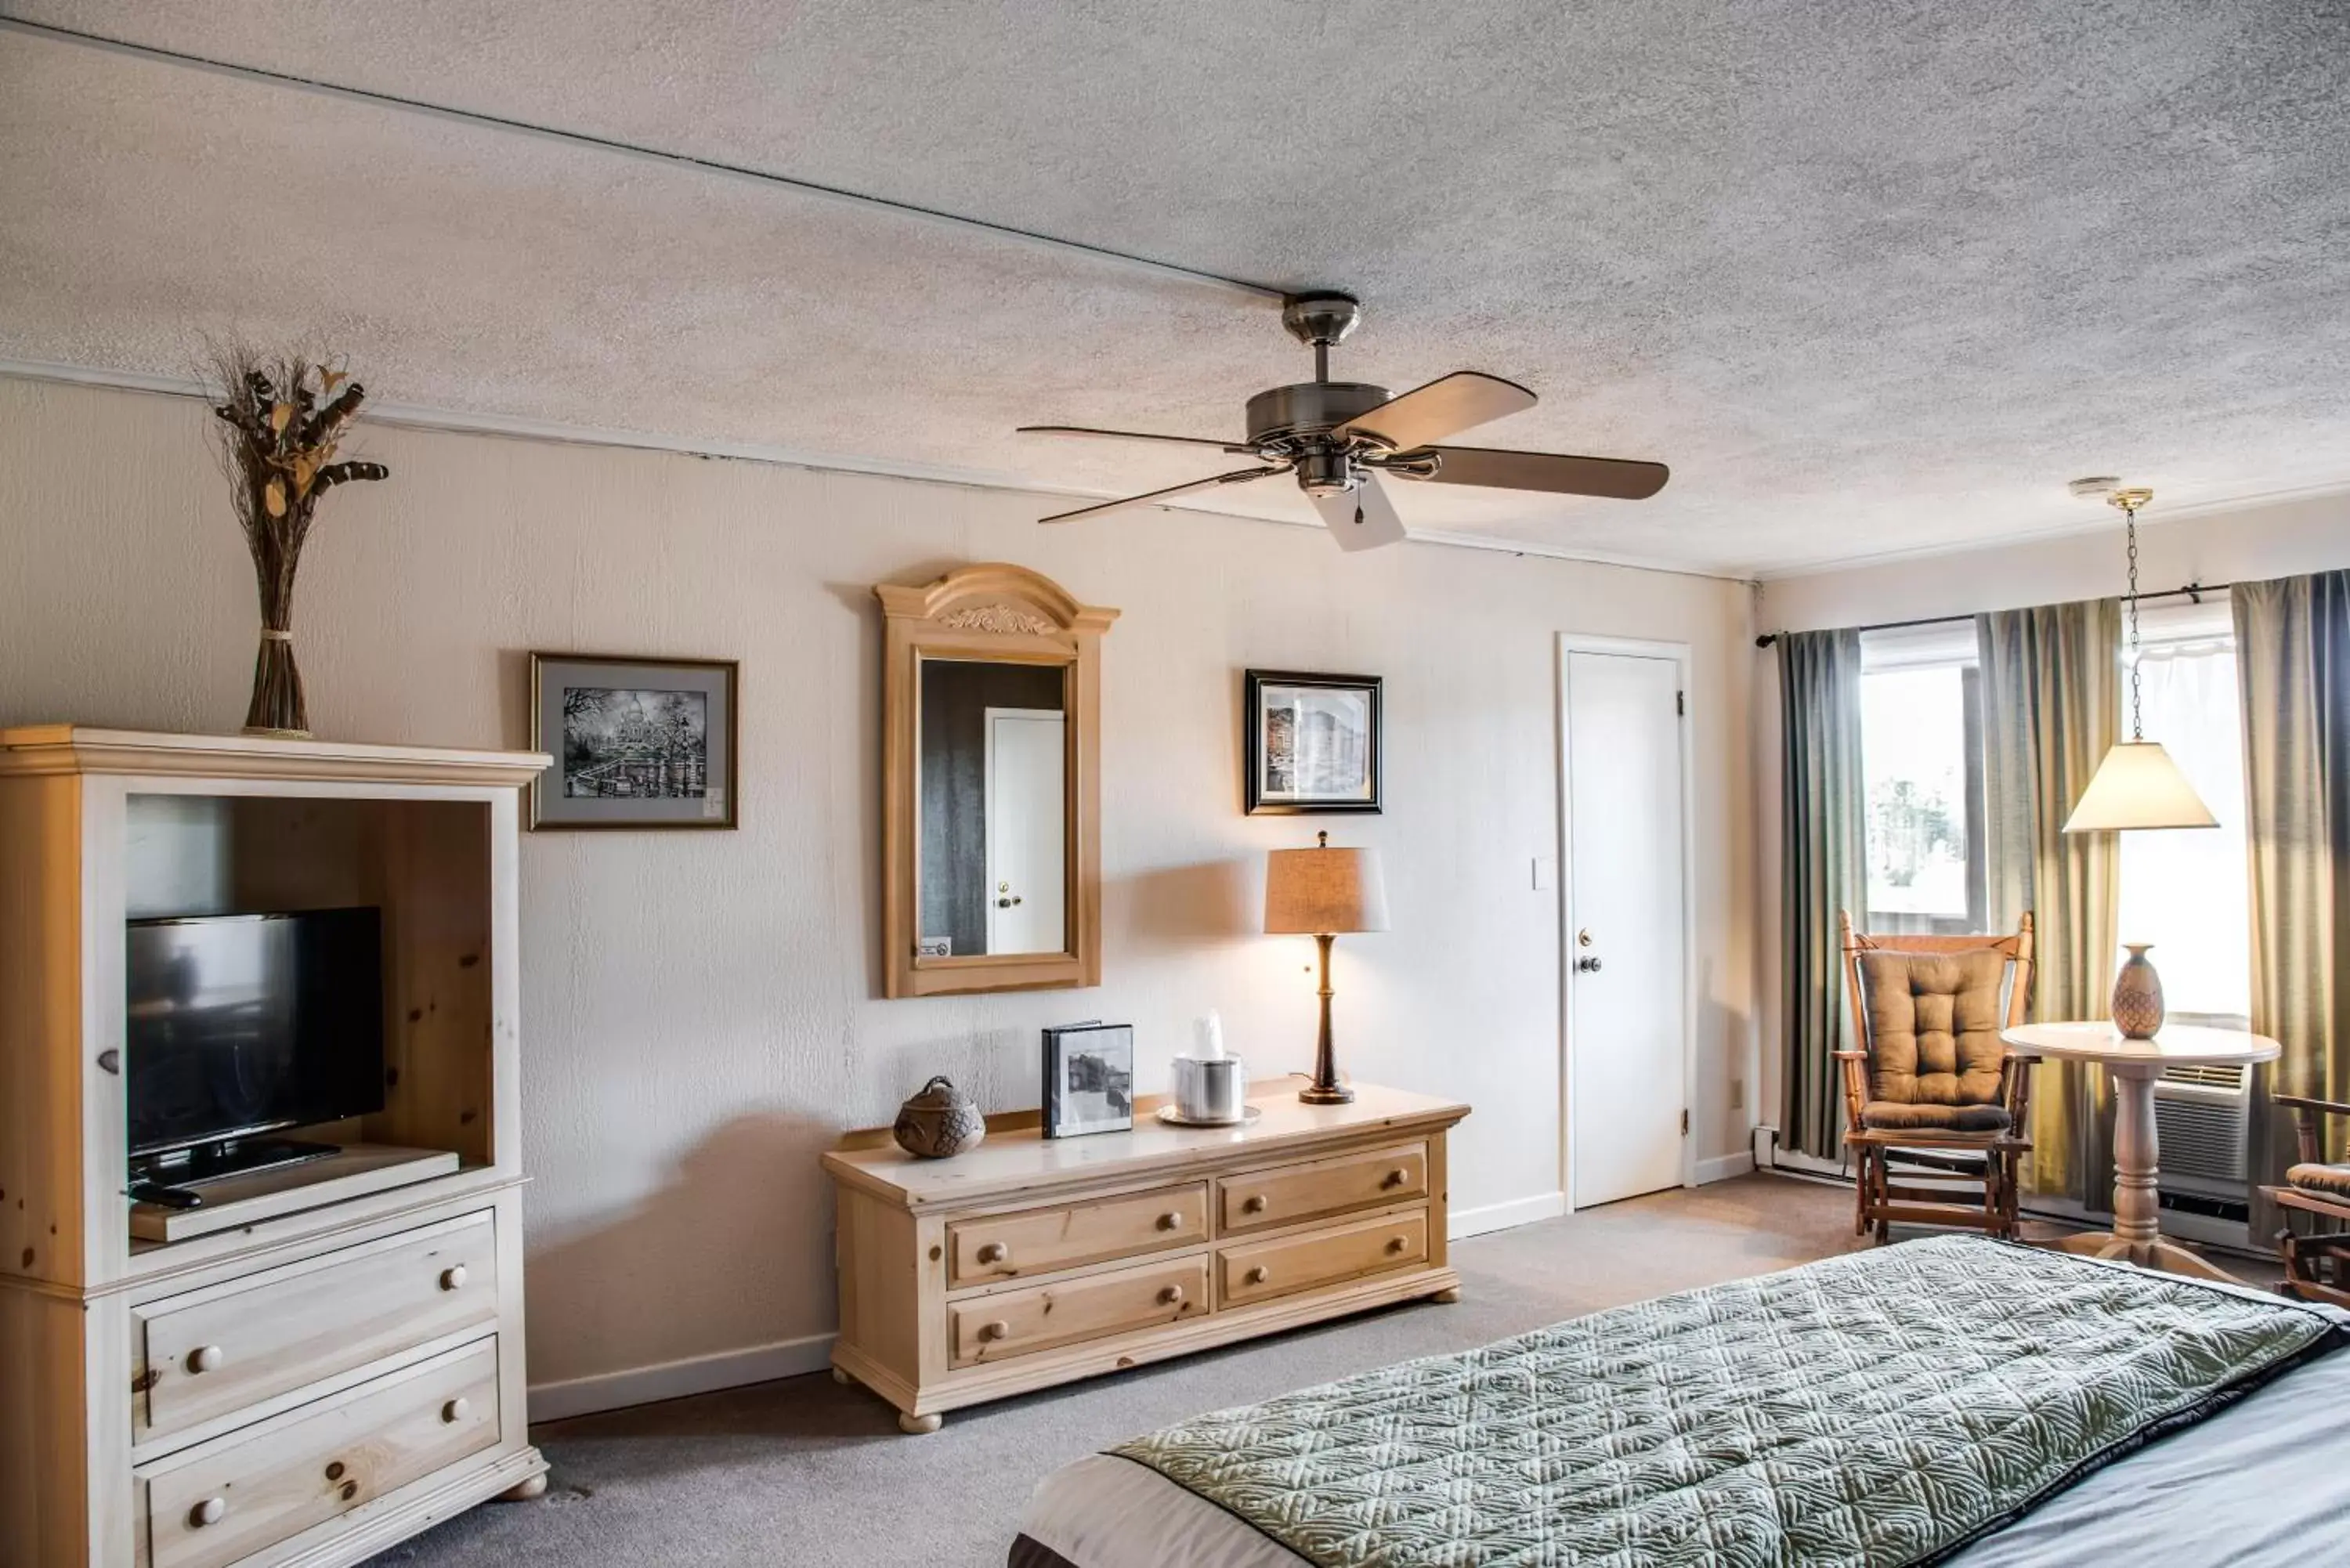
point(2137, 729)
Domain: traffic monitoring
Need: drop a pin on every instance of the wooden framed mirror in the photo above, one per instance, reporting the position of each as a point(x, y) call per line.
point(991, 764)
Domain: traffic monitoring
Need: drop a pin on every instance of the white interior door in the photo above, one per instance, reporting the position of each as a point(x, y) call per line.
point(1626, 992)
point(1025, 843)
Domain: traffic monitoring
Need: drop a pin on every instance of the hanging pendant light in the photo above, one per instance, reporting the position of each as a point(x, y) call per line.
point(2138, 786)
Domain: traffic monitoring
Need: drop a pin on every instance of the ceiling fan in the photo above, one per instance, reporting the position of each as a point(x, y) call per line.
point(1338, 437)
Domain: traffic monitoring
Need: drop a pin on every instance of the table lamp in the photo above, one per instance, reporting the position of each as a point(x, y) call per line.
point(1320, 892)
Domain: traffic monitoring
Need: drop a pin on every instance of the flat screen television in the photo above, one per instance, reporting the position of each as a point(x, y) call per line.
point(239, 1024)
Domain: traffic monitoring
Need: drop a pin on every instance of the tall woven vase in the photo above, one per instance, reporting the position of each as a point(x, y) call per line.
point(2137, 996)
point(277, 707)
point(282, 422)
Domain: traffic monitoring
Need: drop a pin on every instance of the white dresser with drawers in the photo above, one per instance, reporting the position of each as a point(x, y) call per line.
point(336, 1362)
point(1031, 1261)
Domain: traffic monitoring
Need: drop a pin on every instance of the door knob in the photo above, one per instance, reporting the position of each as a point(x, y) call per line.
point(1588, 964)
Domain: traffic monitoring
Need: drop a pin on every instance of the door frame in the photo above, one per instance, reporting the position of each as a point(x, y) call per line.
point(1677, 653)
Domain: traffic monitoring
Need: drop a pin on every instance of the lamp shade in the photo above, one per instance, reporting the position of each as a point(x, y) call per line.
point(1322, 892)
point(2138, 786)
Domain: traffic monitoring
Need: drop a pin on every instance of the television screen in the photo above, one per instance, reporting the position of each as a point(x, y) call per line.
point(242, 1023)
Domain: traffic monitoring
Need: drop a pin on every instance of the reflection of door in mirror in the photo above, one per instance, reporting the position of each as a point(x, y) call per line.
point(1024, 831)
point(991, 869)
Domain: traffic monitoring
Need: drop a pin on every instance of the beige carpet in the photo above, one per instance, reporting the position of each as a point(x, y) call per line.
point(805, 1472)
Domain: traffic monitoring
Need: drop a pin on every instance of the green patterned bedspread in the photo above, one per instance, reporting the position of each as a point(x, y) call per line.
point(1879, 1408)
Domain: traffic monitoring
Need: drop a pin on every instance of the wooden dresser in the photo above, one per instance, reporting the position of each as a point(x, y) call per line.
point(336, 1364)
point(1032, 1261)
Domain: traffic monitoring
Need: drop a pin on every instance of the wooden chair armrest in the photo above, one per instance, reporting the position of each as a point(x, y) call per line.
point(1863, 1056)
point(2301, 1103)
point(2017, 1054)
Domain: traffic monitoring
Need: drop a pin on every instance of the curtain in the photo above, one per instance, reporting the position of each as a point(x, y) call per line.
point(1824, 868)
point(2049, 692)
point(2293, 656)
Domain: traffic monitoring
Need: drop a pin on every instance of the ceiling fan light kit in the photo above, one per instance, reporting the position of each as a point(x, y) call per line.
point(1336, 438)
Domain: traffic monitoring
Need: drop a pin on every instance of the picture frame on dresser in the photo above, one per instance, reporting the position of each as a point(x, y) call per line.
point(1311, 744)
point(1088, 1079)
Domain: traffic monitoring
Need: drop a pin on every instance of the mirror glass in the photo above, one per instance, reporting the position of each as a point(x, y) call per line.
point(993, 742)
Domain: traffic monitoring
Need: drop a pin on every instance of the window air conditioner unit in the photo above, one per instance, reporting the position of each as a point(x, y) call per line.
point(2202, 1116)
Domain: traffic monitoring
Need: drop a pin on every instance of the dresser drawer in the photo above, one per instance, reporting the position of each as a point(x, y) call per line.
point(1258, 1271)
point(1283, 1194)
point(1039, 1241)
point(236, 1495)
point(1018, 1323)
point(212, 1352)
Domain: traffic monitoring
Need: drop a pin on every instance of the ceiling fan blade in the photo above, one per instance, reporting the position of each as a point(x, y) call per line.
point(1444, 407)
point(1363, 518)
point(1238, 476)
point(1620, 479)
point(1127, 435)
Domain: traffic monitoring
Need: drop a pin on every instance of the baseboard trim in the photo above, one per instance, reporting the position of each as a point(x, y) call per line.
point(1503, 1216)
point(1723, 1167)
point(678, 1379)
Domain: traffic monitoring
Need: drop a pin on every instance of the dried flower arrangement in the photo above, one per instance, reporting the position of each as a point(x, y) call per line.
point(280, 425)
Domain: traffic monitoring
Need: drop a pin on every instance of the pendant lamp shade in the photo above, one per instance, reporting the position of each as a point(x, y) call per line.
point(2138, 786)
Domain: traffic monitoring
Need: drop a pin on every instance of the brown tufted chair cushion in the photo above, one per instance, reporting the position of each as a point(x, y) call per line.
point(1934, 1051)
point(2331, 1179)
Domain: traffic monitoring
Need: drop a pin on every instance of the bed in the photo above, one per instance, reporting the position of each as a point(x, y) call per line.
point(1952, 1400)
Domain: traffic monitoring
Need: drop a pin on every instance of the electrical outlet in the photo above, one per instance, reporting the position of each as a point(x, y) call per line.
point(1737, 1094)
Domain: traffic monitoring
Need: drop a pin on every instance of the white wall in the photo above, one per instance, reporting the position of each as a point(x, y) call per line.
point(701, 1012)
point(2257, 543)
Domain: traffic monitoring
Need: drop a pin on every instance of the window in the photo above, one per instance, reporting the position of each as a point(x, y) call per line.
point(1921, 755)
point(2187, 892)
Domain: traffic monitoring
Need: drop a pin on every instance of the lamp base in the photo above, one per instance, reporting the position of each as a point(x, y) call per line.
point(1333, 1094)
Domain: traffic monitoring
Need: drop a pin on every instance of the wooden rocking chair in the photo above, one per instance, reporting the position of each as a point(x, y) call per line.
point(2316, 1268)
point(1933, 1076)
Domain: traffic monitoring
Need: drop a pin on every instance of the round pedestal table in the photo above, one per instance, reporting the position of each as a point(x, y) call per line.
point(2134, 1065)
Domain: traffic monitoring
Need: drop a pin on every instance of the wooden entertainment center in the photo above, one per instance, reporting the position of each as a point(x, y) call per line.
point(333, 1359)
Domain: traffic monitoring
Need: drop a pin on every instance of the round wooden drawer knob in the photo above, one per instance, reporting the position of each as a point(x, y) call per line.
point(1252, 1204)
point(1168, 1296)
point(206, 1358)
point(1170, 1221)
point(211, 1510)
point(454, 1277)
point(456, 1410)
point(1259, 1275)
point(1396, 1177)
point(995, 1330)
point(1395, 1243)
point(995, 1253)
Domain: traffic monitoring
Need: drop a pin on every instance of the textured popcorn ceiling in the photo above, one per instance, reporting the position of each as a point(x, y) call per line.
point(1872, 278)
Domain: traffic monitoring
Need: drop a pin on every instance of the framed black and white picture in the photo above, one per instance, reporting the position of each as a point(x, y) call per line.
point(637, 742)
point(1088, 1079)
point(1312, 743)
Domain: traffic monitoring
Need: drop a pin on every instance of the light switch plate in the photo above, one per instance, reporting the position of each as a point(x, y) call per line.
point(1546, 873)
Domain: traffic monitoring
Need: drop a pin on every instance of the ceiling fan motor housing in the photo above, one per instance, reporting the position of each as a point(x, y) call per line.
point(1308, 409)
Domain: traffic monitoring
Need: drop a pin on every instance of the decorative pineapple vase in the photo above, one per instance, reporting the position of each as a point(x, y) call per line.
point(2137, 996)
